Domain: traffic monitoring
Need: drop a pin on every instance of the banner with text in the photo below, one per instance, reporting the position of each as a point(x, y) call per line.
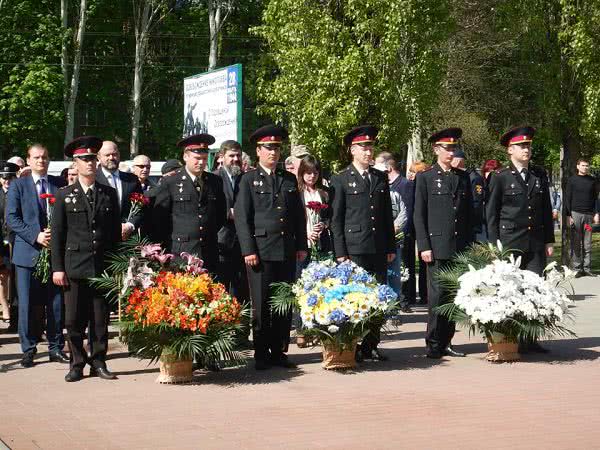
point(212, 103)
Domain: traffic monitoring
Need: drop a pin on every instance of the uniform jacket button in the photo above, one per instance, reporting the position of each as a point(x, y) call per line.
point(282, 233)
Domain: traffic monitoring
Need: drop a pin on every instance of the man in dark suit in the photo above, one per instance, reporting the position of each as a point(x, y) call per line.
point(477, 194)
point(518, 210)
point(362, 223)
point(85, 227)
point(27, 216)
point(124, 183)
point(232, 270)
point(140, 167)
point(271, 227)
point(8, 172)
point(189, 207)
point(442, 218)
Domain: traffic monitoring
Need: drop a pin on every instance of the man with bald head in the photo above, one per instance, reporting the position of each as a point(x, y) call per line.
point(141, 169)
point(125, 184)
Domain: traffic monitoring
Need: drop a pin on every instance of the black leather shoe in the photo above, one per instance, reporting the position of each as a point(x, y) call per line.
point(261, 365)
point(377, 355)
point(74, 375)
point(406, 309)
point(103, 373)
point(434, 354)
point(587, 273)
point(449, 351)
point(59, 357)
point(27, 360)
point(93, 372)
point(537, 348)
point(284, 362)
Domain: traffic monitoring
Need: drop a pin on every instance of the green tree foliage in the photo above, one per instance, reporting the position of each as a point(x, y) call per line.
point(31, 88)
point(334, 64)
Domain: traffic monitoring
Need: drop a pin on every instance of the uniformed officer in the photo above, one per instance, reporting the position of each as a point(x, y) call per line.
point(442, 217)
point(477, 193)
point(189, 207)
point(85, 226)
point(362, 223)
point(518, 209)
point(271, 227)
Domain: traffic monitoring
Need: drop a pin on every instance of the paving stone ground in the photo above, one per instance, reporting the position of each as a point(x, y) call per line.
point(544, 401)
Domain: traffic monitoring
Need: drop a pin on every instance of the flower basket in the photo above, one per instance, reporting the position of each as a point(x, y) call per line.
point(494, 297)
point(335, 358)
point(174, 370)
point(338, 303)
point(303, 341)
point(501, 349)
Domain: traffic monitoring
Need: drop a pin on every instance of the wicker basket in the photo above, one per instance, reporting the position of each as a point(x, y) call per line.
point(334, 359)
point(173, 370)
point(503, 351)
point(303, 341)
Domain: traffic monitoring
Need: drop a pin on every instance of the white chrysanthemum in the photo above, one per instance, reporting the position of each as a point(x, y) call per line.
point(333, 328)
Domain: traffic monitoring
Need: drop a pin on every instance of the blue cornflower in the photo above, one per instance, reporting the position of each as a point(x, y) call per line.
point(312, 300)
point(385, 293)
point(337, 316)
point(308, 286)
point(362, 277)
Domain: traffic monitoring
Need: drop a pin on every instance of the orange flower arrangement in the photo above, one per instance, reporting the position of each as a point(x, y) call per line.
point(185, 301)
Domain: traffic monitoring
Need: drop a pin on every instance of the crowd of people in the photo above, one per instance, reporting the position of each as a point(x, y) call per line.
point(253, 226)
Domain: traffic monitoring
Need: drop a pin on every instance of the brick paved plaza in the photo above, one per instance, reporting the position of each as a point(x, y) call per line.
point(546, 402)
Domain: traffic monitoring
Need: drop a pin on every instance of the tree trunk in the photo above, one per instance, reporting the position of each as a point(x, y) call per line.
point(414, 152)
point(70, 113)
point(141, 41)
point(64, 57)
point(214, 25)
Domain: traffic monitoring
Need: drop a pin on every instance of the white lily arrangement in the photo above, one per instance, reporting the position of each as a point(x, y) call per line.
point(500, 298)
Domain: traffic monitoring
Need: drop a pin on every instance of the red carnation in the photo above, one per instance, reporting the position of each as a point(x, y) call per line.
point(587, 227)
point(316, 206)
point(45, 195)
point(52, 200)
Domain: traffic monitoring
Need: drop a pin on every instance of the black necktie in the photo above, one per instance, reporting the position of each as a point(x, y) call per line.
point(366, 178)
point(525, 174)
point(42, 191)
point(198, 184)
point(90, 196)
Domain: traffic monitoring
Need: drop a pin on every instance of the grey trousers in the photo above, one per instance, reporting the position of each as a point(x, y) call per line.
point(581, 241)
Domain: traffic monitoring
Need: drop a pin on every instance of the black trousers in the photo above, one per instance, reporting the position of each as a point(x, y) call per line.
point(375, 264)
point(533, 261)
point(271, 332)
point(409, 289)
point(83, 305)
point(232, 273)
point(440, 330)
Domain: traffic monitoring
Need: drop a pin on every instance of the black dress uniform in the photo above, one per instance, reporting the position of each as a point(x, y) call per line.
point(442, 218)
point(270, 222)
point(84, 228)
point(518, 209)
point(362, 224)
point(187, 213)
point(7, 241)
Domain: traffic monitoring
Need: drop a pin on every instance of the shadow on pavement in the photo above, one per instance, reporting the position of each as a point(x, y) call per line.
point(580, 297)
point(566, 351)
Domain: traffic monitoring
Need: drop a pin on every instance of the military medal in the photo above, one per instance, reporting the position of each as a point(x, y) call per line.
point(512, 186)
point(68, 200)
point(183, 177)
point(352, 185)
